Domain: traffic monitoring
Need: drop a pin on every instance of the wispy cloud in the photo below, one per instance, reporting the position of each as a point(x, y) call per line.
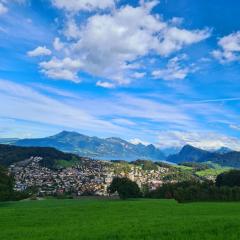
point(116, 115)
point(218, 100)
point(40, 33)
point(24, 103)
point(235, 127)
point(175, 69)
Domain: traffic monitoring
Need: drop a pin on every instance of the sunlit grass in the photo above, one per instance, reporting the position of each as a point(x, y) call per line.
point(211, 172)
point(135, 219)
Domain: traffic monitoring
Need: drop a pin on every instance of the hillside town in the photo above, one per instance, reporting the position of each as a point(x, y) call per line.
point(88, 177)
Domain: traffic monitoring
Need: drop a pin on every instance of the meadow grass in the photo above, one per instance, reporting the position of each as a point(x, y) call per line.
point(211, 172)
point(115, 219)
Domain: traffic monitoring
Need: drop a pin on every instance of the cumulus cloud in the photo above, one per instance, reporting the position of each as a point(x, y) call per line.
point(110, 44)
point(65, 69)
point(229, 48)
point(174, 70)
point(204, 140)
point(39, 51)
point(71, 30)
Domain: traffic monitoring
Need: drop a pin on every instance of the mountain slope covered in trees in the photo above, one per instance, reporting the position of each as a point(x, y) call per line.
point(12, 154)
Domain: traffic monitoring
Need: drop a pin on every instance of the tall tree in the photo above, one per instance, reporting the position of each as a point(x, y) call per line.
point(125, 188)
point(6, 185)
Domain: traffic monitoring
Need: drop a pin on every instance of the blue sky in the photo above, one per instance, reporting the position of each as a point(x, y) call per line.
point(157, 72)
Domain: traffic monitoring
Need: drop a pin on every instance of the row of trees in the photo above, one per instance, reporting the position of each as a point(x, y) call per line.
point(196, 191)
point(230, 179)
point(226, 188)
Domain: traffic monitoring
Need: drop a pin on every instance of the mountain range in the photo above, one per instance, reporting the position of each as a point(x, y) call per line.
point(223, 157)
point(93, 147)
point(118, 149)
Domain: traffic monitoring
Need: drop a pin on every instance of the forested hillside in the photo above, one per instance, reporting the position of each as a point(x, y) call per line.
point(11, 154)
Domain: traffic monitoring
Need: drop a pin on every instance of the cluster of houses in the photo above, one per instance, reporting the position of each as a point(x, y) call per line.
point(150, 178)
point(88, 177)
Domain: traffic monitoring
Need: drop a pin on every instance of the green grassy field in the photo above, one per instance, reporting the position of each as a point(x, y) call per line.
point(103, 219)
point(211, 172)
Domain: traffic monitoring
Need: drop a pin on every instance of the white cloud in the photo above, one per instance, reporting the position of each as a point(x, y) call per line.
point(105, 84)
point(174, 70)
point(204, 140)
point(66, 69)
point(229, 48)
point(57, 44)
point(3, 9)
point(83, 5)
point(174, 39)
point(137, 141)
point(39, 51)
point(138, 75)
point(176, 21)
point(110, 44)
point(71, 30)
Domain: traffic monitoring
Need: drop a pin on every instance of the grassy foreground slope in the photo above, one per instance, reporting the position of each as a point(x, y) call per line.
point(136, 219)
